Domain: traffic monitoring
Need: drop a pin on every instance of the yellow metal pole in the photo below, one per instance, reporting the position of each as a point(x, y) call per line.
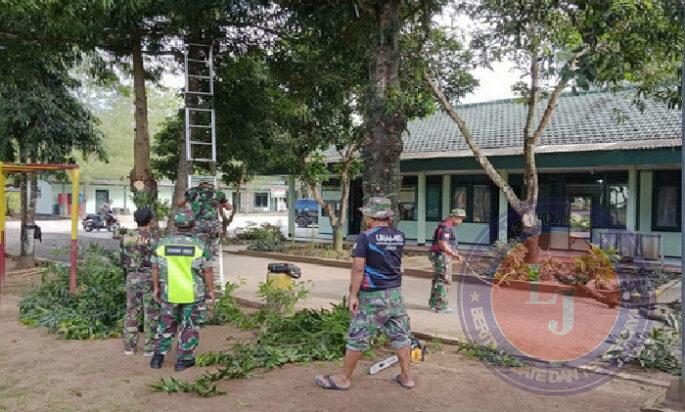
point(3, 206)
point(75, 177)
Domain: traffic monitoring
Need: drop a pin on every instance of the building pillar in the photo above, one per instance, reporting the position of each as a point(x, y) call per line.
point(631, 211)
point(292, 198)
point(645, 201)
point(421, 210)
point(502, 215)
point(446, 195)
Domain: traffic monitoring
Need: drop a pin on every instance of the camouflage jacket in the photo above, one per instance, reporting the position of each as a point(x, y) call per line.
point(204, 202)
point(181, 259)
point(137, 248)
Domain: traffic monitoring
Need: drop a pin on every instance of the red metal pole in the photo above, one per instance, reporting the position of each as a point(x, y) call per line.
point(2, 257)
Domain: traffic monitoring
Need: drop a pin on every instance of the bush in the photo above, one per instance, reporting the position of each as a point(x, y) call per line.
point(95, 311)
point(264, 238)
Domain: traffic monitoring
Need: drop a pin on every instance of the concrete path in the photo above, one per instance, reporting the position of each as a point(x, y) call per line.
point(525, 323)
point(329, 285)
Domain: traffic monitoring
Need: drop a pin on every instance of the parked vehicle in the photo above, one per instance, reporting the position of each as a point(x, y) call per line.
point(306, 212)
point(93, 221)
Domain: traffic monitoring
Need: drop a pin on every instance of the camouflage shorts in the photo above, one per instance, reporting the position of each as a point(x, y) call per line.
point(383, 311)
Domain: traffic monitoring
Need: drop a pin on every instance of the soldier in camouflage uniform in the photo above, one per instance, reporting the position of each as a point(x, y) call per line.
point(205, 202)
point(136, 256)
point(375, 296)
point(182, 280)
point(443, 249)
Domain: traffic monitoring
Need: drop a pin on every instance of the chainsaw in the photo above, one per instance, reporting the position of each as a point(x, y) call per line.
point(417, 355)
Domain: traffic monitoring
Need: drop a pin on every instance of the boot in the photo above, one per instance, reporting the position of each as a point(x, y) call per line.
point(182, 364)
point(156, 361)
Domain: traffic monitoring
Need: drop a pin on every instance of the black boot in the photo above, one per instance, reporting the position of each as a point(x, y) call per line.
point(156, 361)
point(182, 364)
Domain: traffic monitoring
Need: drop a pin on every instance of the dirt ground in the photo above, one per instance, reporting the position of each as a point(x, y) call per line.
point(38, 372)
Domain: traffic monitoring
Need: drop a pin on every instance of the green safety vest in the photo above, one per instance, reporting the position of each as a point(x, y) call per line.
point(180, 265)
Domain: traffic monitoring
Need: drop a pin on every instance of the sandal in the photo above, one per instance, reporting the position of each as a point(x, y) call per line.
point(326, 382)
point(398, 379)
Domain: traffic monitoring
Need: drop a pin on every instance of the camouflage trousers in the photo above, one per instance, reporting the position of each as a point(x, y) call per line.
point(171, 316)
point(140, 303)
point(379, 311)
point(209, 232)
point(442, 278)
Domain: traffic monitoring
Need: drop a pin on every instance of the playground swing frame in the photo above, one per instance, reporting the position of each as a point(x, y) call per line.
point(73, 172)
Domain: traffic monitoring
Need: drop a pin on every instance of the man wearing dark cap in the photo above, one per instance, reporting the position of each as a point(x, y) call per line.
point(182, 279)
point(136, 256)
point(376, 300)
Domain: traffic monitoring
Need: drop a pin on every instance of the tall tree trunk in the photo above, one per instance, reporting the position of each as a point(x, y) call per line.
point(385, 122)
point(24, 213)
point(33, 198)
point(182, 172)
point(141, 144)
point(26, 248)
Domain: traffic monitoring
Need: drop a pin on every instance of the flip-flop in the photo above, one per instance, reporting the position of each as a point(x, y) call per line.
point(326, 382)
point(398, 379)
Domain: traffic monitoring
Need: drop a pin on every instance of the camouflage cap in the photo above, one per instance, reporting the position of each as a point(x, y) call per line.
point(378, 208)
point(458, 213)
point(184, 218)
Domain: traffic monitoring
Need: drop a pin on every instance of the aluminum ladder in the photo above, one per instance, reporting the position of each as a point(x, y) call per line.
point(200, 123)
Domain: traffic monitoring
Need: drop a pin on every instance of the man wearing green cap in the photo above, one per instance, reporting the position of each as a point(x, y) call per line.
point(182, 279)
point(443, 249)
point(205, 201)
point(376, 299)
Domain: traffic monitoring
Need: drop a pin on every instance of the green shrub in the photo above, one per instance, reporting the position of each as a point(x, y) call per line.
point(264, 238)
point(95, 311)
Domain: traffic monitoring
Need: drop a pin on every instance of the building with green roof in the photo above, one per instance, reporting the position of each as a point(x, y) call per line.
point(607, 166)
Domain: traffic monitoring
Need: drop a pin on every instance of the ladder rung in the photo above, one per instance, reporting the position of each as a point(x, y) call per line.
point(198, 60)
point(199, 109)
point(200, 93)
point(201, 160)
point(200, 126)
point(200, 143)
point(207, 46)
point(197, 76)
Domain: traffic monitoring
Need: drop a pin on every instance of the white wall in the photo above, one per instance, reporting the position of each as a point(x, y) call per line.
point(44, 201)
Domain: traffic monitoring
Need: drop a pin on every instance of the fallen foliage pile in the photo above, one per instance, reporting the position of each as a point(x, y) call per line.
point(95, 311)
point(307, 335)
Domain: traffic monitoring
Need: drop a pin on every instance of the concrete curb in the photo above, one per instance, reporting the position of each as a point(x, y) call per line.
point(416, 273)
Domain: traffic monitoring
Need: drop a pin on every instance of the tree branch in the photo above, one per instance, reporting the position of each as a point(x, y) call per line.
point(318, 196)
point(485, 163)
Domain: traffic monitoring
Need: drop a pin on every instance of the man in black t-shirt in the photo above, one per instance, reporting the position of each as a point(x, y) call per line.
point(375, 296)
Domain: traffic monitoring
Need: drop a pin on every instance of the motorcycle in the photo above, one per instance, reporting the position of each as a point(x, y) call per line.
point(94, 221)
